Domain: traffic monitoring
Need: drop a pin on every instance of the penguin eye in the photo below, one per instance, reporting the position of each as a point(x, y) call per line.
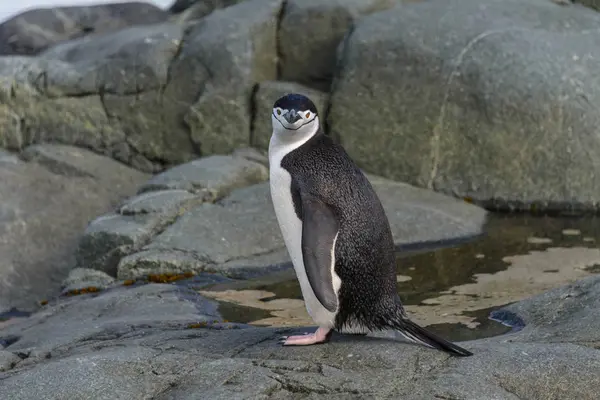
point(308, 115)
point(278, 111)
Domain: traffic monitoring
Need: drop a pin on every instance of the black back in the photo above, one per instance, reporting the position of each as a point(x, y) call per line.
point(365, 256)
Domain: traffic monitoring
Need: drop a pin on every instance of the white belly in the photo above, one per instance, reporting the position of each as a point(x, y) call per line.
point(291, 229)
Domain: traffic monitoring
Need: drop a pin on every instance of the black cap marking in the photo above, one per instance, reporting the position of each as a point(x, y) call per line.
point(296, 101)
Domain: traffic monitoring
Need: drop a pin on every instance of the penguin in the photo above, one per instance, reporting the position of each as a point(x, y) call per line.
point(336, 232)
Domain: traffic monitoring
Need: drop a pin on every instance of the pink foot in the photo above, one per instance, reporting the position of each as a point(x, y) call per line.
point(321, 335)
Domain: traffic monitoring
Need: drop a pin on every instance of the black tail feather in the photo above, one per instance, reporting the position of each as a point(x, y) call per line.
point(417, 334)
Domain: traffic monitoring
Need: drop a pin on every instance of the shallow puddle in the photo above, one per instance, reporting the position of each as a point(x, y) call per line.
point(451, 290)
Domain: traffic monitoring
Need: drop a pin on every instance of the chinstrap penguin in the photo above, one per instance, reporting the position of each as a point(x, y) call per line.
point(336, 232)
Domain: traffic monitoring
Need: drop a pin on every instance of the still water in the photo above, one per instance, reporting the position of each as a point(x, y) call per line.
point(452, 290)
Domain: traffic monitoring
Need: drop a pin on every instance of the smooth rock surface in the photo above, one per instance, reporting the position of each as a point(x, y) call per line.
point(35, 30)
point(310, 33)
point(238, 48)
point(239, 236)
point(268, 92)
point(162, 200)
point(85, 278)
point(43, 213)
point(145, 348)
point(195, 9)
point(215, 176)
point(495, 100)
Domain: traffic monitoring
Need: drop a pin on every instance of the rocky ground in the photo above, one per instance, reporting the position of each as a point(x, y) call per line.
point(166, 342)
point(132, 155)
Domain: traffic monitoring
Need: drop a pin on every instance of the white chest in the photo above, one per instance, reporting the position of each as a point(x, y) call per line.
point(291, 230)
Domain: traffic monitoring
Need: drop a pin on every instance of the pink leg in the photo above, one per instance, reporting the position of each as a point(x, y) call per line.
point(321, 335)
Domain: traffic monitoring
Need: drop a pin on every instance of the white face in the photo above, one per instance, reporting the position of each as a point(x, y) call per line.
point(290, 125)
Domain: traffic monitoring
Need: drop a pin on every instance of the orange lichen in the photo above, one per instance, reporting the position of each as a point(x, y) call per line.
point(89, 289)
point(468, 200)
point(43, 302)
point(166, 278)
point(198, 325)
point(128, 282)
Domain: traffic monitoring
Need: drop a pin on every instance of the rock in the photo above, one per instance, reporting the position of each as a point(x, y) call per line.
point(566, 307)
point(108, 315)
point(130, 70)
point(8, 360)
point(459, 89)
point(311, 31)
point(109, 238)
point(150, 96)
point(215, 176)
point(252, 154)
point(595, 4)
point(162, 200)
point(85, 278)
point(145, 346)
point(35, 30)
point(195, 9)
point(240, 238)
point(43, 213)
point(266, 95)
point(237, 46)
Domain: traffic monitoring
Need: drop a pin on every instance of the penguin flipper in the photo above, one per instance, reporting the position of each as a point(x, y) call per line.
point(319, 231)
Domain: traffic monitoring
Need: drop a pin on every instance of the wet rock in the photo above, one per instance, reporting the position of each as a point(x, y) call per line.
point(8, 360)
point(239, 236)
point(461, 88)
point(215, 176)
point(311, 31)
point(35, 30)
point(85, 278)
point(268, 92)
point(144, 346)
point(237, 47)
point(43, 213)
point(567, 307)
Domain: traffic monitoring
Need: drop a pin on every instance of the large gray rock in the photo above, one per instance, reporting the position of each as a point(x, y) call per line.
point(310, 33)
point(161, 200)
point(46, 204)
point(140, 342)
point(151, 96)
point(496, 100)
point(35, 30)
point(239, 236)
point(266, 95)
point(238, 48)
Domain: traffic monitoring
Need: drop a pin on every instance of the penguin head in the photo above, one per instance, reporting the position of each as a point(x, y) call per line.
point(294, 117)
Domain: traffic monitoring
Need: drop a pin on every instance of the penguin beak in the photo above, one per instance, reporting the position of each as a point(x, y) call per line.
point(292, 116)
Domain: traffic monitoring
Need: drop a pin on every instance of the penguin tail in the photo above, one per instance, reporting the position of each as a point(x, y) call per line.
point(420, 335)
